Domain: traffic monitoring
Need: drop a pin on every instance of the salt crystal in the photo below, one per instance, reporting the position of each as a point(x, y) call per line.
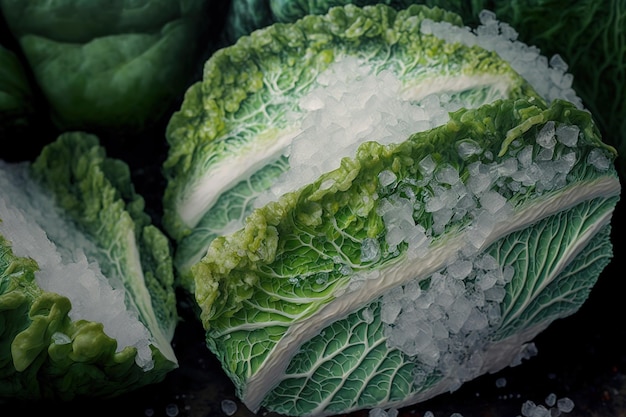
point(525, 156)
point(441, 218)
point(482, 226)
point(527, 351)
point(508, 31)
point(468, 148)
point(546, 135)
point(545, 154)
point(427, 165)
point(370, 250)
point(458, 313)
point(567, 135)
point(460, 269)
point(229, 407)
point(344, 269)
point(492, 201)
point(447, 175)
point(495, 294)
point(508, 273)
point(507, 167)
point(171, 410)
point(412, 290)
point(557, 62)
point(565, 404)
point(598, 159)
point(551, 400)
point(475, 321)
point(486, 16)
point(479, 183)
point(389, 311)
point(487, 280)
point(386, 178)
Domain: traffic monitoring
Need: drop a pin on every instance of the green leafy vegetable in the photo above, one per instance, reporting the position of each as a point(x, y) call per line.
point(589, 35)
point(87, 306)
point(128, 60)
point(356, 295)
point(373, 206)
point(229, 141)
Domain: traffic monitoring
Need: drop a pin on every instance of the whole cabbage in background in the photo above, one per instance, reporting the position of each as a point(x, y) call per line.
point(590, 36)
point(87, 305)
point(110, 65)
point(469, 207)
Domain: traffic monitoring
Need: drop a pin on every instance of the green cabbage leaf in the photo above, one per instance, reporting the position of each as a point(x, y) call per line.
point(590, 36)
point(353, 293)
point(372, 206)
point(228, 142)
point(87, 305)
point(128, 60)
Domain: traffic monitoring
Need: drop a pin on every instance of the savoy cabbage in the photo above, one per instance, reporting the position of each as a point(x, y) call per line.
point(434, 249)
point(87, 304)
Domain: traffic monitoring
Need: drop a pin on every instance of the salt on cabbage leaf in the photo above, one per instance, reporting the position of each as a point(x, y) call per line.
point(433, 248)
point(230, 139)
point(87, 305)
point(590, 35)
point(415, 266)
point(128, 60)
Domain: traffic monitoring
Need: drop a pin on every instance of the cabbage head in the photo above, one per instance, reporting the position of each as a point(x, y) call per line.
point(373, 206)
point(87, 306)
point(109, 65)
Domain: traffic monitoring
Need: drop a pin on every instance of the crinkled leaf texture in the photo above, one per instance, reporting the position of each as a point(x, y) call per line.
point(49, 348)
point(317, 306)
point(228, 142)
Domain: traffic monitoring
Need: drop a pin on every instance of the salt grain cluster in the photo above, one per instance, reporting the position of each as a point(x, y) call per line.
point(66, 261)
point(483, 197)
point(441, 321)
point(549, 77)
point(351, 104)
point(553, 407)
point(451, 316)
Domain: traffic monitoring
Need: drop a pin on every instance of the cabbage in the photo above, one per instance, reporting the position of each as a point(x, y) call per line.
point(372, 206)
point(229, 140)
point(129, 60)
point(352, 292)
point(87, 305)
point(588, 34)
